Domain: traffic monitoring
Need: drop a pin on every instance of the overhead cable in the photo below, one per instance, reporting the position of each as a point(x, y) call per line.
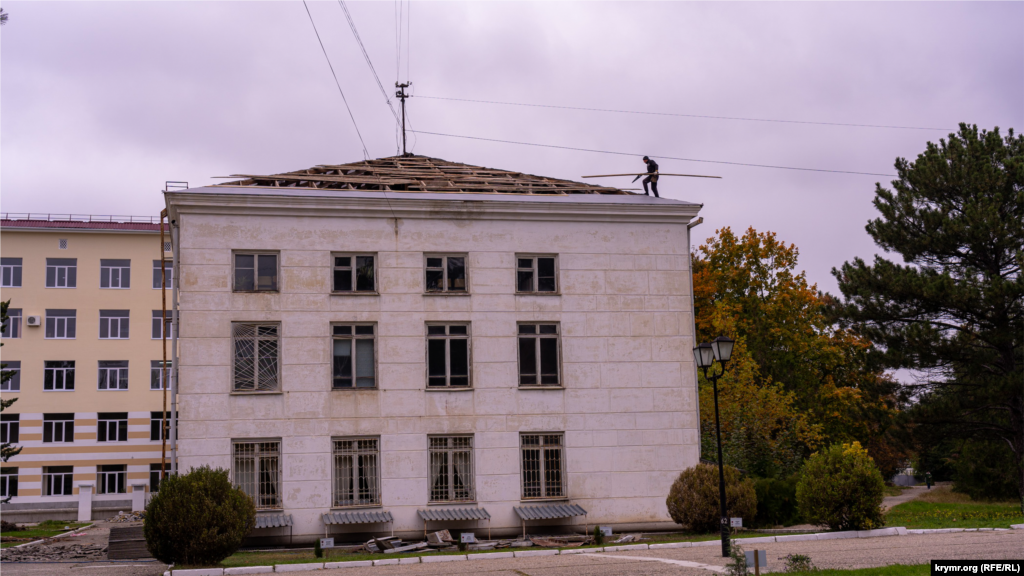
point(652, 155)
point(681, 115)
point(366, 55)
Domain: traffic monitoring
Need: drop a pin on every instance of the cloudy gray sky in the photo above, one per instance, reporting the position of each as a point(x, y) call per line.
point(101, 102)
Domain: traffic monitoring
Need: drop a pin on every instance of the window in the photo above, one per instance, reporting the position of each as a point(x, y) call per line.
point(447, 355)
point(9, 428)
point(535, 274)
point(58, 428)
point(110, 478)
point(61, 272)
point(115, 273)
point(112, 427)
point(255, 272)
point(8, 482)
point(113, 324)
point(354, 273)
point(13, 327)
point(60, 324)
point(57, 480)
point(167, 323)
point(353, 352)
point(62, 243)
point(10, 274)
point(156, 374)
point(451, 469)
point(446, 274)
point(167, 247)
point(14, 383)
point(543, 466)
point(168, 274)
point(155, 420)
point(113, 375)
point(59, 375)
point(356, 472)
point(257, 471)
point(256, 365)
point(154, 475)
point(538, 354)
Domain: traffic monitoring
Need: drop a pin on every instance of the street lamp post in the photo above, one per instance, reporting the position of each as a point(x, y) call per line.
point(719, 349)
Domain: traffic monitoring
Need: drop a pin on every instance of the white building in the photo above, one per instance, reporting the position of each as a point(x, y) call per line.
point(372, 345)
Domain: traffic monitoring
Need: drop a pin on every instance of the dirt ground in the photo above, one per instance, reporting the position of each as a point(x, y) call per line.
point(83, 553)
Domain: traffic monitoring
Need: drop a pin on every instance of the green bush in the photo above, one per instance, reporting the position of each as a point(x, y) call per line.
point(776, 502)
point(841, 488)
point(693, 499)
point(198, 518)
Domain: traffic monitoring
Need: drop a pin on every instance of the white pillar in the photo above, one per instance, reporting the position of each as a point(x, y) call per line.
point(85, 502)
point(138, 497)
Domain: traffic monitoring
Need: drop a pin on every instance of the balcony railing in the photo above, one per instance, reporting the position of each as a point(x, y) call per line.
point(79, 218)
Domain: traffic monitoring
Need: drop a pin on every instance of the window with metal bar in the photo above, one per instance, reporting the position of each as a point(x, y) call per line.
point(156, 374)
point(58, 428)
point(543, 465)
point(113, 324)
point(10, 272)
point(61, 272)
point(59, 375)
point(12, 329)
point(60, 324)
point(356, 472)
point(255, 272)
point(256, 357)
point(8, 482)
point(113, 375)
point(10, 425)
point(451, 469)
point(446, 274)
point(538, 354)
point(57, 480)
point(115, 273)
point(160, 318)
point(354, 356)
point(448, 355)
point(12, 384)
point(111, 478)
point(257, 471)
point(535, 274)
point(112, 427)
point(354, 273)
point(168, 274)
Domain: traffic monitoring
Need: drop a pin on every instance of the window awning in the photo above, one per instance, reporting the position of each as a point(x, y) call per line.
point(359, 517)
point(273, 520)
point(442, 514)
point(547, 511)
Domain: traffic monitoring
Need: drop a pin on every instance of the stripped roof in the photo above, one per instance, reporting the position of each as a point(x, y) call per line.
point(418, 174)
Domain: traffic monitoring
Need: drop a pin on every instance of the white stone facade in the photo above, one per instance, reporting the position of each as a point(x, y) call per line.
point(627, 402)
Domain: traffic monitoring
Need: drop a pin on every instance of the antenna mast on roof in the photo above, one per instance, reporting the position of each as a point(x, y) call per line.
point(401, 95)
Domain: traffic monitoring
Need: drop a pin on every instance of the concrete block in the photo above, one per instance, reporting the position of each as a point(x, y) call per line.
point(385, 562)
point(793, 538)
point(249, 570)
point(575, 551)
point(409, 560)
point(706, 543)
point(446, 558)
point(671, 545)
point(199, 572)
point(298, 567)
point(626, 547)
point(357, 564)
point(1017, 526)
point(490, 556)
point(760, 540)
point(903, 531)
point(835, 535)
point(877, 533)
point(528, 553)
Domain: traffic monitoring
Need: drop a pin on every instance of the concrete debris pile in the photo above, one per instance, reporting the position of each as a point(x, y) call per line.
point(129, 517)
point(442, 541)
point(44, 553)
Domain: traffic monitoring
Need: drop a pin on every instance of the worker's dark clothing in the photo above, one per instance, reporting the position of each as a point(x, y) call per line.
point(652, 167)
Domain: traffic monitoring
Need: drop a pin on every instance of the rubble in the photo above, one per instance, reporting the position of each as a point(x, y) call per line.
point(129, 517)
point(44, 553)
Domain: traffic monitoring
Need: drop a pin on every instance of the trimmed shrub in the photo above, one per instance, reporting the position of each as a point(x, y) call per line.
point(776, 502)
point(693, 499)
point(841, 488)
point(198, 519)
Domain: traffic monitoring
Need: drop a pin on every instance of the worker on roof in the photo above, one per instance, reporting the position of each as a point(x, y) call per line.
point(652, 169)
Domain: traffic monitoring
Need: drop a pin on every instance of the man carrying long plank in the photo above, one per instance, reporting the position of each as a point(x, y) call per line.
point(652, 169)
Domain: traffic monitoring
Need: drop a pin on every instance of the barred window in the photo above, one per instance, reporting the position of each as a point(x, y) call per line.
point(60, 324)
point(538, 354)
point(156, 374)
point(111, 478)
point(256, 357)
point(257, 471)
point(61, 272)
point(59, 375)
point(57, 480)
point(10, 425)
point(13, 384)
point(535, 274)
point(112, 427)
point(114, 324)
point(447, 355)
point(446, 274)
point(543, 465)
point(255, 272)
point(168, 274)
point(113, 375)
point(8, 482)
point(115, 273)
point(58, 427)
point(10, 272)
point(165, 319)
point(353, 356)
point(12, 329)
point(354, 273)
point(356, 472)
point(451, 469)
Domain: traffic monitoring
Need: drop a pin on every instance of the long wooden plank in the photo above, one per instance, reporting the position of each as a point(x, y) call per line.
point(648, 174)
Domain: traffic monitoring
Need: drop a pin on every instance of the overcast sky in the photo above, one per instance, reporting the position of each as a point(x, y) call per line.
point(100, 103)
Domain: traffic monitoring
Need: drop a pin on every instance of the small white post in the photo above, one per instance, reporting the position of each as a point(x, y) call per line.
point(138, 497)
point(85, 502)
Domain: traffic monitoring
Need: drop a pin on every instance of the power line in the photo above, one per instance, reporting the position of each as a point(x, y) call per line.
point(681, 115)
point(656, 156)
point(366, 154)
point(366, 55)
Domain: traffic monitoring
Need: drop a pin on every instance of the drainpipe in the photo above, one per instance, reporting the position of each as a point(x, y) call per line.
point(176, 275)
point(693, 320)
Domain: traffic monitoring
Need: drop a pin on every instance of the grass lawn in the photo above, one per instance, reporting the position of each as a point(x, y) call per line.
point(918, 514)
point(894, 570)
point(42, 530)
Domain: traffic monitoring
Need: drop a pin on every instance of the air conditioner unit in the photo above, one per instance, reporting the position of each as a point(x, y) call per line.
point(33, 320)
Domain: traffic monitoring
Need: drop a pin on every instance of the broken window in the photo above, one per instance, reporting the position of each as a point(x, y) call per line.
point(543, 465)
point(257, 471)
point(115, 273)
point(113, 375)
point(60, 324)
point(111, 478)
point(12, 329)
point(538, 354)
point(354, 273)
point(447, 355)
point(446, 274)
point(255, 272)
point(112, 427)
point(353, 356)
point(61, 272)
point(114, 324)
point(10, 272)
point(57, 480)
point(59, 375)
point(58, 428)
point(256, 357)
point(356, 472)
point(535, 274)
point(451, 469)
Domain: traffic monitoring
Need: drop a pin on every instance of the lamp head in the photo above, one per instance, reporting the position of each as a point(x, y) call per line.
point(704, 355)
point(722, 348)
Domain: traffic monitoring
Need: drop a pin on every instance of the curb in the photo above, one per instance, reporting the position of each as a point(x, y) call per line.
point(61, 535)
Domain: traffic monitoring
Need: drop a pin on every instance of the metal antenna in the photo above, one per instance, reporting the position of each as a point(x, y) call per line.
point(401, 95)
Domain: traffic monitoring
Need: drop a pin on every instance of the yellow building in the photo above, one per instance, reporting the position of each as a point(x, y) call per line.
point(84, 339)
